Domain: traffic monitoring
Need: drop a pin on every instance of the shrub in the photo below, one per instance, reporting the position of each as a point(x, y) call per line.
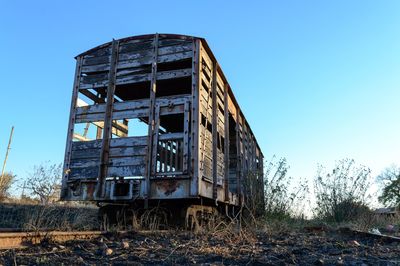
point(5, 183)
point(44, 182)
point(277, 197)
point(341, 194)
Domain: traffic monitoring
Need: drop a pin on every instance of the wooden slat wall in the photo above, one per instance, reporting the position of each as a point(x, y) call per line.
point(134, 62)
point(127, 158)
point(130, 109)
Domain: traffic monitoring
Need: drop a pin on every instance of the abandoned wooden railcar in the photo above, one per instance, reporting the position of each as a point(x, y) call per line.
point(153, 119)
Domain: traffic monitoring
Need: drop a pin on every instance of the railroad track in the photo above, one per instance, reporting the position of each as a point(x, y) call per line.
point(18, 239)
point(9, 240)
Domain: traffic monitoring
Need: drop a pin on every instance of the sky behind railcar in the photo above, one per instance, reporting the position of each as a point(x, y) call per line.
point(318, 81)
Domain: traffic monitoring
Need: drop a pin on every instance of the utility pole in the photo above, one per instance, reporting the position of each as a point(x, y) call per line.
point(8, 149)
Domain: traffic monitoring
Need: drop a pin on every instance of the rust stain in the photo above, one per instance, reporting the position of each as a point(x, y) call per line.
point(90, 190)
point(168, 186)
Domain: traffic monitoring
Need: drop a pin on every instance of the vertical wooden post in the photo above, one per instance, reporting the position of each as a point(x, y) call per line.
point(195, 113)
point(226, 146)
point(261, 176)
point(152, 130)
point(239, 156)
point(155, 148)
point(107, 130)
point(185, 148)
point(214, 130)
point(71, 124)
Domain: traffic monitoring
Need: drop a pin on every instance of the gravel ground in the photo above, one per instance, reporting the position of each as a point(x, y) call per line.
point(221, 248)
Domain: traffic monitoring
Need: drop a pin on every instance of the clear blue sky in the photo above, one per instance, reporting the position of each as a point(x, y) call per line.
point(317, 80)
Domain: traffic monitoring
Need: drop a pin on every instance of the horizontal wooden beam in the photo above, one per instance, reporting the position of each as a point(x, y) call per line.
point(102, 80)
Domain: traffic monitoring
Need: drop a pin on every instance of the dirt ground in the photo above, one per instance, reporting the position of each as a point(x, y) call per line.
point(184, 248)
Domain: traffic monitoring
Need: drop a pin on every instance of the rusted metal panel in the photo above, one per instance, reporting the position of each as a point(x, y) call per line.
point(169, 189)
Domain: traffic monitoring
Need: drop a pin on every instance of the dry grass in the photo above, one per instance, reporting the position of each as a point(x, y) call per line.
point(368, 221)
point(48, 217)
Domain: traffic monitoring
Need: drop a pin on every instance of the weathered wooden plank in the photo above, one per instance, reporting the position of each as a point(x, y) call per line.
point(116, 142)
point(220, 116)
point(205, 81)
point(172, 74)
point(155, 148)
point(96, 60)
point(221, 129)
point(164, 156)
point(174, 49)
point(129, 114)
point(232, 108)
point(173, 100)
point(147, 60)
point(128, 151)
point(87, 84)
point(176, 160)
point(104, 51)
point(85, 145)
point(239, 158)
point(207, 63)
point(130, 47)
point(85, 154)
point(133, 71)
point(214, 130)
point(87, 172)
point(175, 57)
point(185, 147)
point(171, 136)
point(195, 121)
point(136, 55)
point(126, 161)
point(170, 155)
point(126, 171)
point(168, 42)
point(117, 115)
point(131, 141)
point(175, 109)
point(135, 62)
point(85, 163)
point(113, 161)
point(70, 133)
point(118, 106)
point(220, 94)
point(152, 132)
point(162, 51)
point(96, 68)
point(114, 152)
point(107, 131)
